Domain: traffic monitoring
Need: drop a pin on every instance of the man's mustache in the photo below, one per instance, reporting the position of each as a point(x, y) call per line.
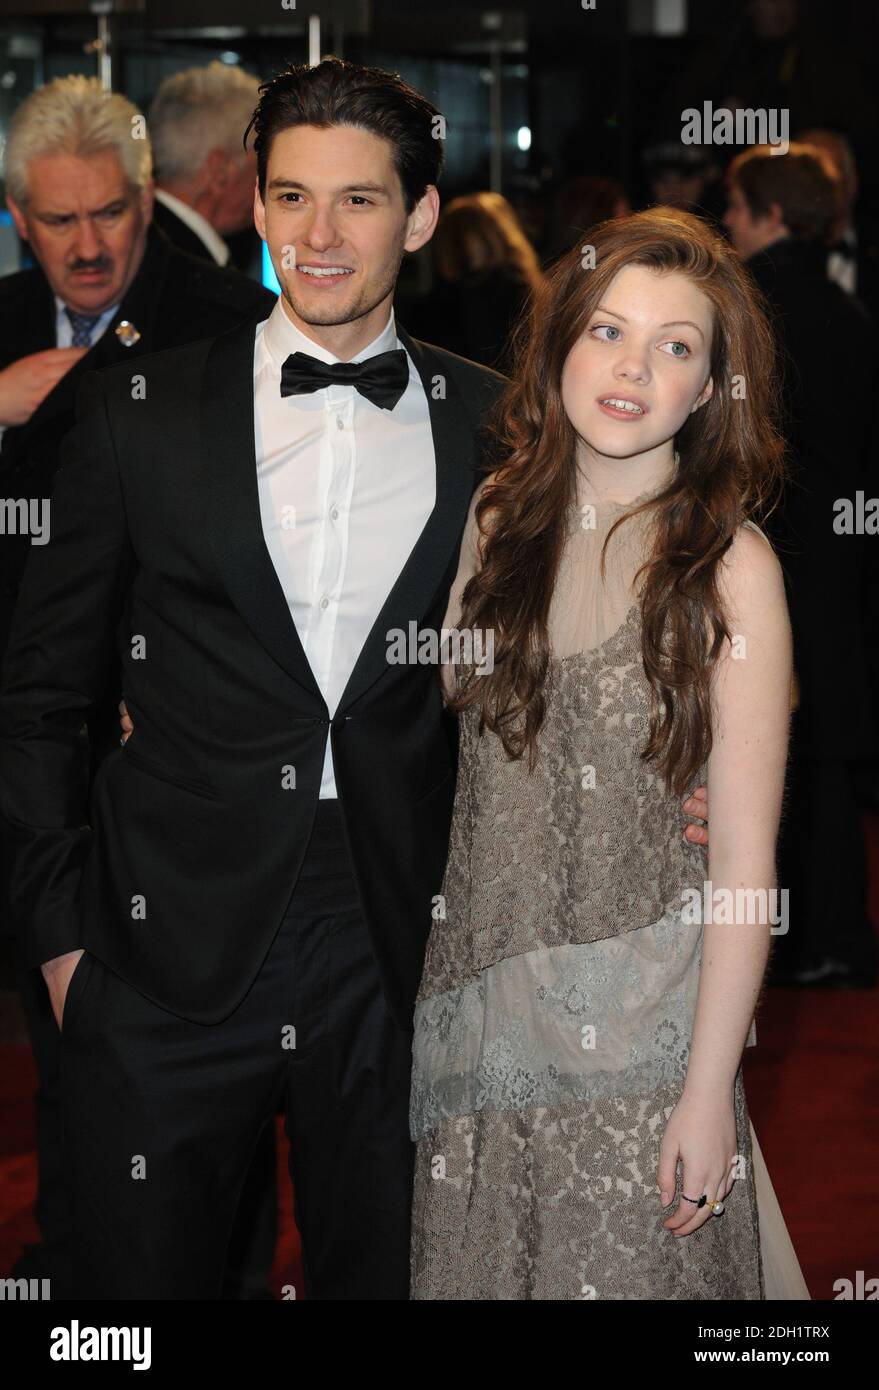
point(103, 264)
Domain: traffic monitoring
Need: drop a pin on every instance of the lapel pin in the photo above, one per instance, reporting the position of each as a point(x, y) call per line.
point(127, 333)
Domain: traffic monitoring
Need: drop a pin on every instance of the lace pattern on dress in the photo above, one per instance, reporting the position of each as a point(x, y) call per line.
point(551, 1027)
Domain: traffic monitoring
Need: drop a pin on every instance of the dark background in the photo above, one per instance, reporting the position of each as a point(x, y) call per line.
point(593, 86)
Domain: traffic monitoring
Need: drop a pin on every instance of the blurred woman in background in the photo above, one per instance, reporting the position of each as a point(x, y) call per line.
point(486, 269)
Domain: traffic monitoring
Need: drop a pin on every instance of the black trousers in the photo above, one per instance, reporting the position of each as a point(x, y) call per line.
point(252, 1246)
point(161, 1115)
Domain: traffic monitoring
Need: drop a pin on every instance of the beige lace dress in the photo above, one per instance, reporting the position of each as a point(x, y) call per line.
point(553, 1019)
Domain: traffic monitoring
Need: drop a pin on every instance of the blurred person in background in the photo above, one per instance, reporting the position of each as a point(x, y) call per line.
point(204, 176)
point(107, 287)
point(783, 212)
point(486, 269)
point(853, 262)
point(678, 176)
point(579, 203)
point(853, 257)
point(684, 177)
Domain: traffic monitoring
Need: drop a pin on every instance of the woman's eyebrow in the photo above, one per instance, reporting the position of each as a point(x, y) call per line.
point(674, 323)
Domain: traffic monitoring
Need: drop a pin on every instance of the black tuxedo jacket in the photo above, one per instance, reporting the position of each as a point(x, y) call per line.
point(173, 299)
point(197, 829)
point(183, 237)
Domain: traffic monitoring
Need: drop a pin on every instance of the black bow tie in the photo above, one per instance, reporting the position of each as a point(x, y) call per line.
point(381, 379)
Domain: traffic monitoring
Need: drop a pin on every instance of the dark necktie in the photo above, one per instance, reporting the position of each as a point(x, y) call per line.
point(82, 325)
point(381, 379)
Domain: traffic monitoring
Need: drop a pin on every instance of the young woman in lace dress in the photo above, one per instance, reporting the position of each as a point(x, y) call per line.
point(577, 1097)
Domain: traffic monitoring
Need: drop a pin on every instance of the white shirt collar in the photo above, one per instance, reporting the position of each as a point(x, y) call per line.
point(281, 338)
point(103, 318)
point(196, 223)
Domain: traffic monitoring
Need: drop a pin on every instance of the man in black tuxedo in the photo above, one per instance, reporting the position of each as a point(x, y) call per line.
point(111, 283)
point(245, 919)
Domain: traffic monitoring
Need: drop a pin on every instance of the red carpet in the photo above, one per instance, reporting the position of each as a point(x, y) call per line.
point(812, 1085)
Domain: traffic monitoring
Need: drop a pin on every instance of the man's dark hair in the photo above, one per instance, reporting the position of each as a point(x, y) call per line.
point(336, 92)
point(802, 181)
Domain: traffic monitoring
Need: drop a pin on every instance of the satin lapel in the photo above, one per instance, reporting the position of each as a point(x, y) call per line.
point(417, 583)
point(234, 519)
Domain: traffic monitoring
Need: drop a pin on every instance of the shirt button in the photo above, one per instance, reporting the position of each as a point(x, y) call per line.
point(324, 602)
point(334, 513)
point(340, 423)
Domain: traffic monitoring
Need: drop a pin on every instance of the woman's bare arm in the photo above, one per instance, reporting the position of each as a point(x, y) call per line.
point(746, 769)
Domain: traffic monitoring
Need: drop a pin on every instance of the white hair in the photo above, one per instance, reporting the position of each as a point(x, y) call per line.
point(198, 110)
point(76, 115)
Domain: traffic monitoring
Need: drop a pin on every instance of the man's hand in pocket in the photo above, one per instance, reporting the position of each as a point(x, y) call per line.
point(57, 973)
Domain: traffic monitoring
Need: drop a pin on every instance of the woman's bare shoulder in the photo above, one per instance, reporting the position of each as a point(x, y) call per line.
point(750, 577)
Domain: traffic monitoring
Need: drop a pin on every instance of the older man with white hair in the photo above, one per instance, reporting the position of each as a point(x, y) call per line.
point(107, 287)
point(204, 175)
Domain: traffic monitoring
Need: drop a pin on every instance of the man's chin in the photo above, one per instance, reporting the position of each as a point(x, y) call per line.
point(87, 296)
point(324, 315)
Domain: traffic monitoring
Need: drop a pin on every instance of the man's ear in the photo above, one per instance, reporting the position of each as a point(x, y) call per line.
point(18, 218)
point(704, 395)
point(422, 219)
point(218, 163)
point(147, 198)
point(259, 210)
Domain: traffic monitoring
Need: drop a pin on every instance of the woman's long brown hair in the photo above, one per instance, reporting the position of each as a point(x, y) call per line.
point(730, 467)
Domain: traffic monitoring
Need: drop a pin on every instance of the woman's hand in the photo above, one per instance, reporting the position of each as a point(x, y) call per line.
point(697, 805)
point(125, 721)
point(702, 1133)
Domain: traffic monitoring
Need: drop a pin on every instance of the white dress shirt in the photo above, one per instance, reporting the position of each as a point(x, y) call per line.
point(212, 240)
point(843, 269)
point(345, 489)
